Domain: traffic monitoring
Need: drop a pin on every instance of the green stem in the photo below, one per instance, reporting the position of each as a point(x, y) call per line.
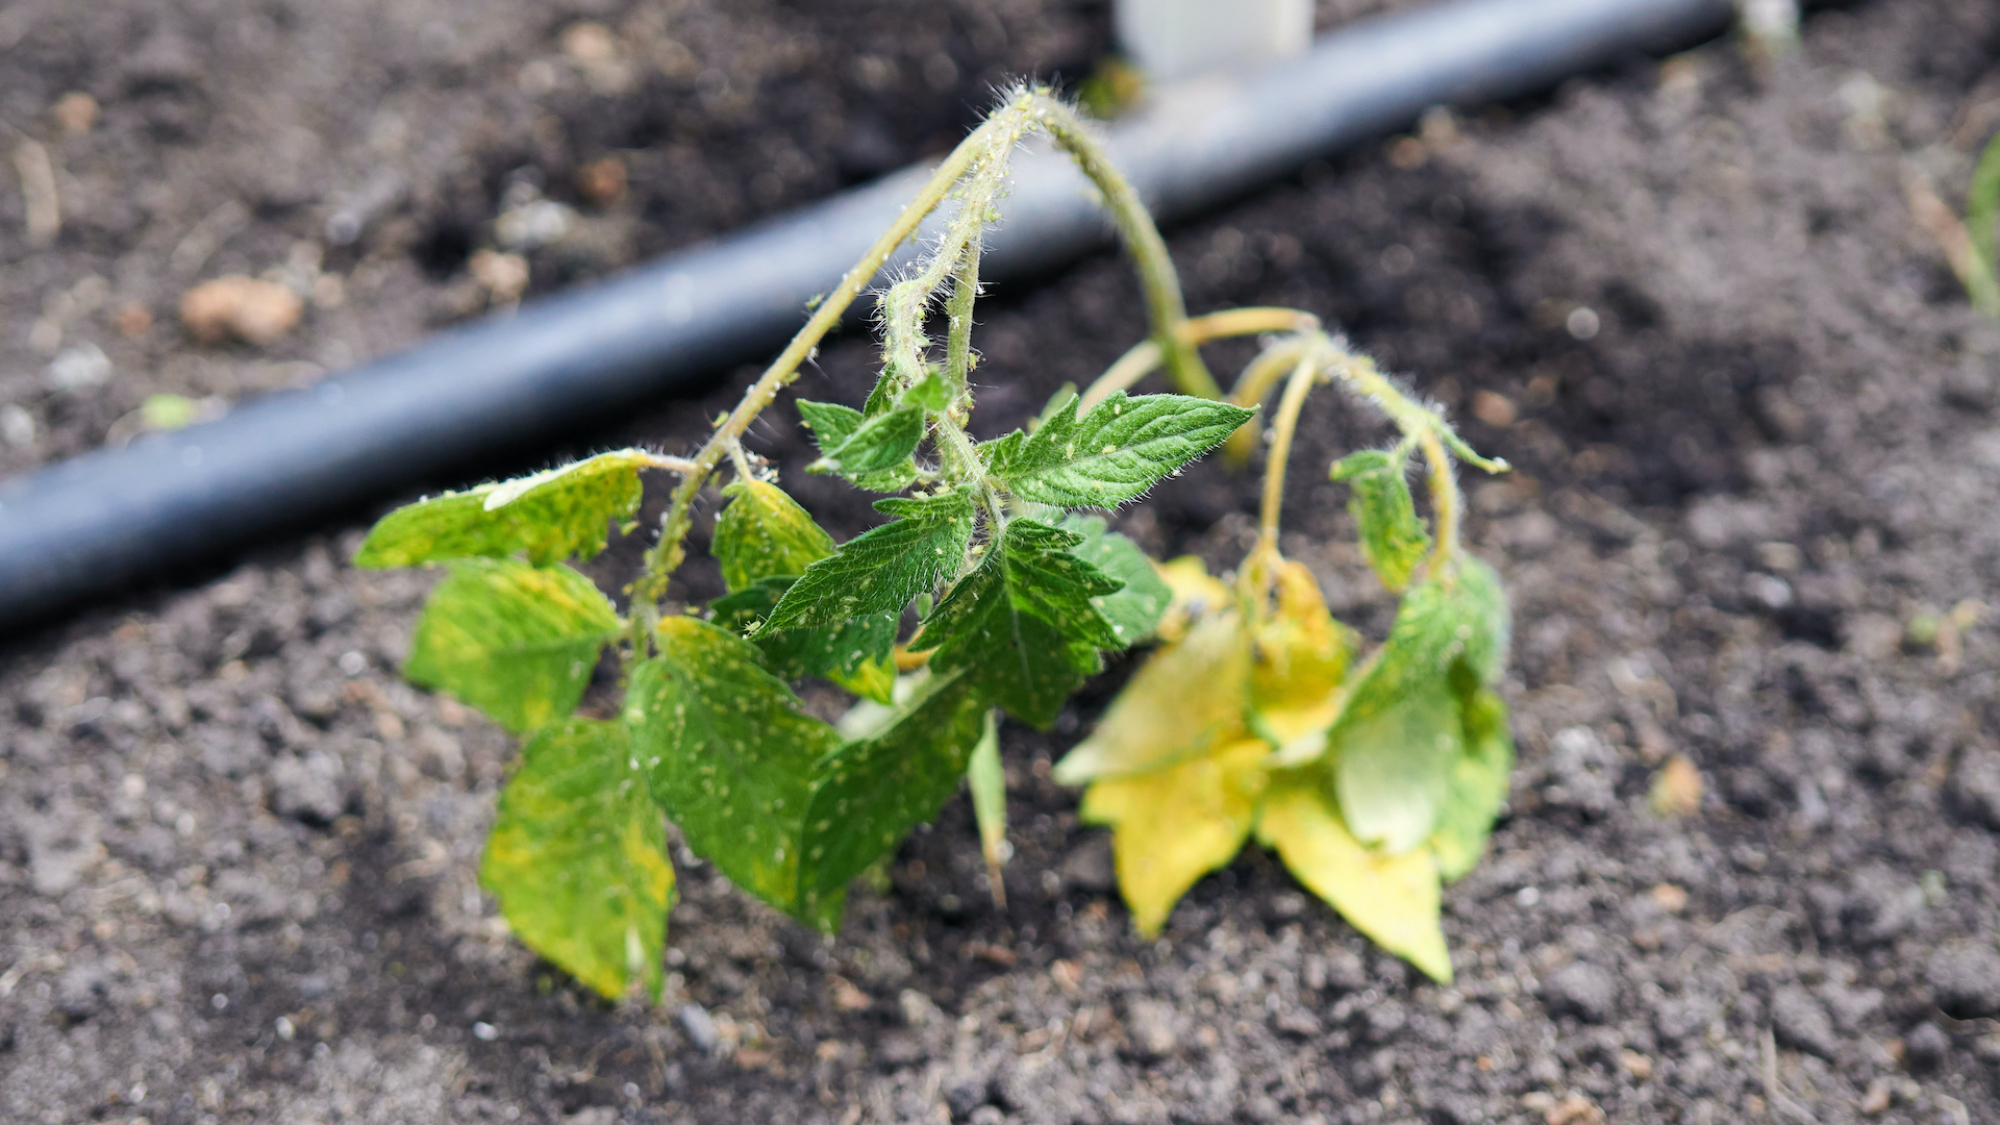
point(958, 311)
point(1164, 304)
point(1982, 200)
point(998, 134)
point(1283, 427)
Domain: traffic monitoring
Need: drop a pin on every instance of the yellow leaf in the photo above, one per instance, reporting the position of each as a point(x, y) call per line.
point(1393, 899)
point(1172, 826)
point(1186, 701)
point(1301, 656)
point(1196, 595)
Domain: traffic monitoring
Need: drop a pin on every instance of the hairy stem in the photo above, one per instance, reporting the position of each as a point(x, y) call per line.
point(1145, 358)
point(1164, 304)
point(964, 293)
point(1445, 501)
point(998, 134)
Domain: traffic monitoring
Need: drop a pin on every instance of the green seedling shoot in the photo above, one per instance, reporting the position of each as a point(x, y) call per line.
point(1373, 778)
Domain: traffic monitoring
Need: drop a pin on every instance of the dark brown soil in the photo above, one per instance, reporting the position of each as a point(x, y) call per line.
point(237, 854)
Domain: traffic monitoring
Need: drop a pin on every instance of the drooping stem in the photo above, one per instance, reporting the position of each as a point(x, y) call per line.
point(998, 134)
point(1253, 385)
point(1445, 501)
point(1145, 358)
point(1305, 372)
point(1164, 304)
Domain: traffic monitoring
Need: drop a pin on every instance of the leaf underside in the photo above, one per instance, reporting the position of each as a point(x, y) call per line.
point(1402, 732)
point(1393, 539)
point(550, 515)
point(516, 641)
point(577, 858)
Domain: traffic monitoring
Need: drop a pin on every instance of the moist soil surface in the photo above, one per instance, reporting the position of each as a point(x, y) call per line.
point(1754, 424)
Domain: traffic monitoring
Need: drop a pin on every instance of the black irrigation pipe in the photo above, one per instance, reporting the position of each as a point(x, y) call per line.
point(103, 519)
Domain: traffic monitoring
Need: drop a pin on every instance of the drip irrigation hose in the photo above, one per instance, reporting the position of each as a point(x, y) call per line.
point(105, 518)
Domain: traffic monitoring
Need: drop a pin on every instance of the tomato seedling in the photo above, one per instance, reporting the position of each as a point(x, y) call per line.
point(1372, 779)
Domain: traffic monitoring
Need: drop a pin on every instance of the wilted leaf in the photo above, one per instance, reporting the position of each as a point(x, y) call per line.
point(1394, 766)
point(881, 570)
point(728, 752)
point(1301, 655)
point(1186, 701)
point(516, 641)
point(577, 858)
point(1022, 626)
point(763, 533)
point(550, 515)
point(1393, 899)
point(872, 791)
point(1112, 454)
point(1134, 611)
point(1392, 537)
point(1174, 825)
point(1478, 787)
point(1400, 733)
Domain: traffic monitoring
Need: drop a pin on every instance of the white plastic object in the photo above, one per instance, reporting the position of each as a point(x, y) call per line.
point(1174, 39)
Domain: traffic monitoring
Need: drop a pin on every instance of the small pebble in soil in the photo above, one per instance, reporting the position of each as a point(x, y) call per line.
point(1925, 1048)
point(700, 1028)
point(1801, 1022)
point(1965, 979)
point(244, 308)
point(1582, 990)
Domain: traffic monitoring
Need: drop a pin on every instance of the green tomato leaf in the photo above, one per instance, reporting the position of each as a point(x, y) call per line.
point(1134, 611)
point(856, 653)
point(728, 753)
point(1400, 733)
point(835, 426)
point(871, 792)
point(1022, 626)
point(1392, 537)
point(1112, 454)
point(516, 641)
point(880, 570)
point(1395, 900)
point(1478, 787)
point(764, 533)
point(550, 515)
point(578, 858)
